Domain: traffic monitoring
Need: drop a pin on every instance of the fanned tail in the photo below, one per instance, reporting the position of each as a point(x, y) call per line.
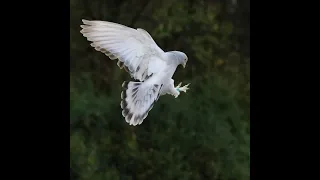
point(138, 99)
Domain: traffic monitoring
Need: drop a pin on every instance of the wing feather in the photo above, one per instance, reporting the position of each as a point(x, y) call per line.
point(135, 48)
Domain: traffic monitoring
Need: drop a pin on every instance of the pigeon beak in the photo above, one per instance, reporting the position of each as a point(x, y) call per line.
point(184, 65)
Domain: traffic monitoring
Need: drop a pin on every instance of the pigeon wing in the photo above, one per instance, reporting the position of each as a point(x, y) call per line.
point(134, 48)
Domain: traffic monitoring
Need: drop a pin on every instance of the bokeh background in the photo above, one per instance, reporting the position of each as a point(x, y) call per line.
point(204, 134)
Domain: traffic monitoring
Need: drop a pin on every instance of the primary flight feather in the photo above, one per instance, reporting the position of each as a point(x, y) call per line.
point(143, 59)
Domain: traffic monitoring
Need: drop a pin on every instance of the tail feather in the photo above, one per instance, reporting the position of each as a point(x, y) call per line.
point(138, 99)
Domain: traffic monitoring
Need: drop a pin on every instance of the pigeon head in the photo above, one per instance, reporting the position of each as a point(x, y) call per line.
point(181, 58)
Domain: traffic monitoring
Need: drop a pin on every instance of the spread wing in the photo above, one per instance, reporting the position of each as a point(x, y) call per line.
point(134, 48)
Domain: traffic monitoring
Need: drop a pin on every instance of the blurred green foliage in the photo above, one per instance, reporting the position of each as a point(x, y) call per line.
point(204, 134)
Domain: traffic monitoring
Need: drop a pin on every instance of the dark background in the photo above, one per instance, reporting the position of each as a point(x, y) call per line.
point(204, 134)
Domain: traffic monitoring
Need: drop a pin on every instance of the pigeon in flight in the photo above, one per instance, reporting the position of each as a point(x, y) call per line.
point(143, 59)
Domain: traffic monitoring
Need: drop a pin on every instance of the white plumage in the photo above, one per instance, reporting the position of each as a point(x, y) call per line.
point(139, 54)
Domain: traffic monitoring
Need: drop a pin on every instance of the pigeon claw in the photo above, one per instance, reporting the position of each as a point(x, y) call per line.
point(179, 85)
point(184, 88)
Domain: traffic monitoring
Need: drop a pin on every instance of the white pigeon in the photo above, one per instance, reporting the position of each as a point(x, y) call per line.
point(141, 57)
